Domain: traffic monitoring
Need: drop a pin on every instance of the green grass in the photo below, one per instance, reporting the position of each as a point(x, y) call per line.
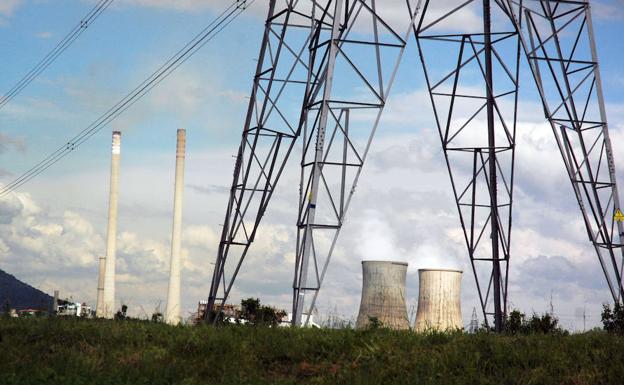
point(68, 351)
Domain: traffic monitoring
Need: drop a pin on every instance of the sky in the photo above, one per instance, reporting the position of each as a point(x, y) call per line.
point(53, 229)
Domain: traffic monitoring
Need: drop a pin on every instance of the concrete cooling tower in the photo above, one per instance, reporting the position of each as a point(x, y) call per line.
point(383, 294)
point(439, 300)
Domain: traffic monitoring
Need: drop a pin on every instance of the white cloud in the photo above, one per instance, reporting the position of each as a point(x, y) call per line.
point(8, 7)
point(44, 34)
point(9, 142)
point(609, 10)
point(394, 12)
point(259, 7)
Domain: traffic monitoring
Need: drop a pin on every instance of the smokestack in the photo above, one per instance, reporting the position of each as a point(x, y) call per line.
point(439, 300)
point(55, 302)
point(99, 309)
point(172, 313)
point(383, 295)
point(108, 309)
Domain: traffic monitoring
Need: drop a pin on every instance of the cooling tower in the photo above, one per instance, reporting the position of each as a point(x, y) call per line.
point(383, 294)
point(172, 313)
point(111, 236)
point(439, 300)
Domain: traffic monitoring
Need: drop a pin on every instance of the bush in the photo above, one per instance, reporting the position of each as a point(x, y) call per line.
point(121, 314)
point(260, 315)
point(613, 320)
point(374, 323)
point(517, 323)
point(158, 317)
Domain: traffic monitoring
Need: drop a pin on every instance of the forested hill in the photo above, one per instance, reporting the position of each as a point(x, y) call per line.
point(19, 295)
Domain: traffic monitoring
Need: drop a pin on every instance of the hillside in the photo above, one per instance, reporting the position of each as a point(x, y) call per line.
point(19, 295)
point(75, 351)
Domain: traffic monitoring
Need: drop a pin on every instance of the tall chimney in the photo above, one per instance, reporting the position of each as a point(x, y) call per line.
point(99, 309)
point(383, 295)
point(108, 310)
point(172, 313)
point(439, 300)
point(55, 302)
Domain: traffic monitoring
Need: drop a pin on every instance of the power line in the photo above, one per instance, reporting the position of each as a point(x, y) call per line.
point(207, 34)
point(67, 41)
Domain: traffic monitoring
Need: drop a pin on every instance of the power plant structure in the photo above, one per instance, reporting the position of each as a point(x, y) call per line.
point(439, 302)
point(55, 301)
point(172, 312)
point(99, 308)
point(383, 295)
point(106, 304)
point(338, 59)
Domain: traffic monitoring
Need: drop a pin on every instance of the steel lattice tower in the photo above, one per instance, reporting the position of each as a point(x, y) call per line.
point(315, 54)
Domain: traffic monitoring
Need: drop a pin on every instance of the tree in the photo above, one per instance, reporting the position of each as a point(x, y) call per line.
point(613, 320)
point(249, 309)
point(157, 317)
point(259, 315)
point(121, 314)
point(545, 324)
point(374, 323)
point(6, 308)
point(517, 323)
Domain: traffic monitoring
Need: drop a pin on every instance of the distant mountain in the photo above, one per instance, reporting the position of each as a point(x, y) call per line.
point(19, 295)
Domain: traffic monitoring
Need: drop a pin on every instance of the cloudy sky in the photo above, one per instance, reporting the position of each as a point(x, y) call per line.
point(52, 230)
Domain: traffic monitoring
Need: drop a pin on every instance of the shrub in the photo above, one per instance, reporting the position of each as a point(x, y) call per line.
point(374, 323)
point(158, 317)
point(517, 323)
point(613, 320)
point(121, 314)
point(260, 315)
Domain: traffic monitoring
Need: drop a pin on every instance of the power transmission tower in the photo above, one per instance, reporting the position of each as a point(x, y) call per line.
point(312, 52)
point(337, 59)
point(558, 39)
point(474, 94)
point(474, 322)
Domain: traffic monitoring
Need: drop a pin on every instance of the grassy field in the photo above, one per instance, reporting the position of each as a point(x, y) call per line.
point(69, 351)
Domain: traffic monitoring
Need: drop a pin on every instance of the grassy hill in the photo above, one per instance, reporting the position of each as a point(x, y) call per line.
point(19, 295)
point(72, 351)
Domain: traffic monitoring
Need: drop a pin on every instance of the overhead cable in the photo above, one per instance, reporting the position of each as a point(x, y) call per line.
point(67, 41)
point(207, 34)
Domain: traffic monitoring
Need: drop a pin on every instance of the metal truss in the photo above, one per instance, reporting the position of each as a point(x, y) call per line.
point(269, 134)
point(324, 73)
point(558, 39)
point(475, 96)
point(303, 46)
point(364, 53)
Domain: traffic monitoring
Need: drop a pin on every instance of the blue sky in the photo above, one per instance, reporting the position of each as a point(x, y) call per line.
point(57, 222)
